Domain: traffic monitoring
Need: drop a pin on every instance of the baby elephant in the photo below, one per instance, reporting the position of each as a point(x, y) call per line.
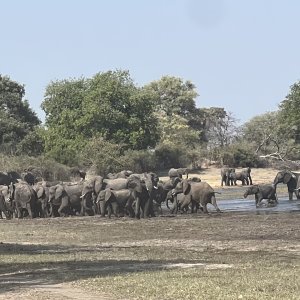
point(261, 192)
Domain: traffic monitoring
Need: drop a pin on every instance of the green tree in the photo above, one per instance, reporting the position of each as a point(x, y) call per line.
point(17, 119)
point(174, 95)
point(109, 105)
point(175, 108)
point(289, 112)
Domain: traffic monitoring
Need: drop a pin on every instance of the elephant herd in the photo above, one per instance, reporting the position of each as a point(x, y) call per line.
point(263, 191)
point(126, 193)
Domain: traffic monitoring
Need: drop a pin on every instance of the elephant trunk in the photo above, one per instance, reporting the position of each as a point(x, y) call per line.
point(102, 207)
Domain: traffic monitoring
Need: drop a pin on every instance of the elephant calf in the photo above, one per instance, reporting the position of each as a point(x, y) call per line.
point(261, 192)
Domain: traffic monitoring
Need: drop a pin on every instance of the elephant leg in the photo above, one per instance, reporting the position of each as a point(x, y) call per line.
point(290, 195)
point(250, 179)
point(63, 207)
point(138, 207)
point(19, 212)
point(28, 207)
point(186, 202)
point(205, 208)
point(214, 203)
point(175, 205)
point(256, 200)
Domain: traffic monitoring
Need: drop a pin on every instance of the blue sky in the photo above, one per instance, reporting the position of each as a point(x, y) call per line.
point(242, 55)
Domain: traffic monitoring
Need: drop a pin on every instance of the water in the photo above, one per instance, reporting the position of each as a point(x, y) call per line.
point(248, 205)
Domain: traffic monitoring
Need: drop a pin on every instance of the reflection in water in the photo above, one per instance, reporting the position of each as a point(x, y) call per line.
point(245, 205)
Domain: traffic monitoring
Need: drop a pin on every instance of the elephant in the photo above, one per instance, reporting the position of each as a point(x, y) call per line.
point(117, 201)
point(150, 182)
point(266, 191)
point(6, 178)
point(122, 174)
point(247, 172)
point(291, 179)
point(178, 172)
point(24, 198)
point(117, 184)
point(163, 190)
point(196, 193)
point(6, 205)
point(91, 188)
point(42, 191)
point(28, 177)
point(65, 199)
point(225, 178)
point(241, 176)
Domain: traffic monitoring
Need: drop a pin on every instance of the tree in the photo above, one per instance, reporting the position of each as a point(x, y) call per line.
point(220, 127)
point(289, 113)
point(173, 95)
point(108, 105)
point(17, 119)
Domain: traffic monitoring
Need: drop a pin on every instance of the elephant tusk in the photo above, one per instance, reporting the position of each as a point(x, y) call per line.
point(82, 196)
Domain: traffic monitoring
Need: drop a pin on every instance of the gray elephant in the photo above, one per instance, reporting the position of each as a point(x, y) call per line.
point(150, 183)
point(247, 172)
point(178, 172)
point(42, 191)
point(120, 201)
point(266, 191)
point(65, 199)
point(291, 179)
point(6, 205)
point(225, 178)
point(241, 176)
point(91, 189)
point(134, 184)
point(122, 174)
point(163, 191)
point(25, 199)
point(6, 178)
point(197, 193)
point(28, 177)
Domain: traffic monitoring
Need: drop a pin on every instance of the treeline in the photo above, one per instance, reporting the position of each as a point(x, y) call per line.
point(110, 123)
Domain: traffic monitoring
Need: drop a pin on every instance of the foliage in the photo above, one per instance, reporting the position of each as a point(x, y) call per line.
point(103, 155)
point(139, 161)
point(173, 95)
point(240, 155)
point(289, 112)
point(39, 165)
point(175, 130)
point(220, 128)
point(17, 119)
point(109, 105)
point(170, 156)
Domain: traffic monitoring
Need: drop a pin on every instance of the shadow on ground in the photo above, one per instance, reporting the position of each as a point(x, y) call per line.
point(16, 276)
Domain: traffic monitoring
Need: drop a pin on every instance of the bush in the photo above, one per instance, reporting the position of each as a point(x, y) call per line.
point(170, 156)
point(241, 156)
point(138, 161)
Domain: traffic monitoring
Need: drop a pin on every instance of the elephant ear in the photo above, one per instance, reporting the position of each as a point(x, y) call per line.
point(185, 187)
point(59, 192)
point(287, 177)
point(40, 192)
point(98, 184)
point(254, 189)
point(108, 194)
